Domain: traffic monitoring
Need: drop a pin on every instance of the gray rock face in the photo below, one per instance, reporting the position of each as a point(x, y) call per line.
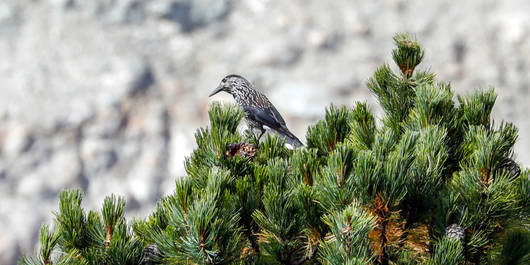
point(106, 94)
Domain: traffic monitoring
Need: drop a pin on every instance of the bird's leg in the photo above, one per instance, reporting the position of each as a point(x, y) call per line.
point(261, 134)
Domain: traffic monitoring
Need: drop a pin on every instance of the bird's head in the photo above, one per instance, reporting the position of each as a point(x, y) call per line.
point(230, 84)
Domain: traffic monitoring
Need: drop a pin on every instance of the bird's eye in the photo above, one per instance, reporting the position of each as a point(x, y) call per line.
point(224, 80)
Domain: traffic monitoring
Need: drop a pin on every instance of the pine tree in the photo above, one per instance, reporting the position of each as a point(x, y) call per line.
point(434, 182)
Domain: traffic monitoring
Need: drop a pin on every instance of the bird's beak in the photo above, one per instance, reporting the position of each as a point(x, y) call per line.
point(217, 90)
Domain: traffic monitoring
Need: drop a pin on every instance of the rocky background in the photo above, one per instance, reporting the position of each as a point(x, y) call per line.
point(107, 94)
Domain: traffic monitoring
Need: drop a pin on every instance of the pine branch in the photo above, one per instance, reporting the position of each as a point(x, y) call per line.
point(448, 251)
point(435, 183)
point(112, 215)
point(326, 135)
point(407, 55)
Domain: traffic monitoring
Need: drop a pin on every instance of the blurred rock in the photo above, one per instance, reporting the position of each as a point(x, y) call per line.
point(17, 140)
point(193, 14)
point(106, 95)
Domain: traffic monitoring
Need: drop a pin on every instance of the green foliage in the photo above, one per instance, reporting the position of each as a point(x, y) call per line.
point(48, 240)
point(395, 95)
point(200, 229)
point(361, 192)
point(363, 128)
point(332, 184)
point(476, 109)
point(80, 238)
point(513, 248)
point(328, 133)
point(347, 242)
point(448, 251)
point(280, 220)
point(212, 142)
point(407, 55)
point(522, 190)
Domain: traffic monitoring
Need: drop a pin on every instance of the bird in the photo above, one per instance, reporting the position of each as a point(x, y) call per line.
point(259, 111)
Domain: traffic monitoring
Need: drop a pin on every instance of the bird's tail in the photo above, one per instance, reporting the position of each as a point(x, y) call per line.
point(291, 139)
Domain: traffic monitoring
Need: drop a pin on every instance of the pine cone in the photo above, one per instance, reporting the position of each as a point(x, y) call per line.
point(455, 231)
point(510, 166)
point(151, 252)
point(241, 149)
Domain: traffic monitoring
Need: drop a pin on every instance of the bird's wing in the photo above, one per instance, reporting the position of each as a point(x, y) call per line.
point(266, 116)
point(276, 115)
point(271, 118)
